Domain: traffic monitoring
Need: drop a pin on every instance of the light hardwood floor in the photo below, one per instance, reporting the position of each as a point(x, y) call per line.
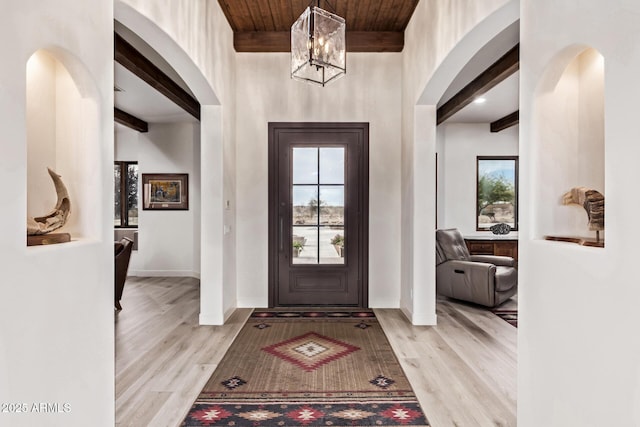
point(463, 370)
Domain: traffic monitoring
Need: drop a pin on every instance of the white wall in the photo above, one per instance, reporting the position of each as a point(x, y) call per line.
point(41, 132)
point(370, 92)
point(578, 346)
point(168, 241)
point(56, 326)
point(460, 144)
point(165, 238)
point(126, 146)
point(76, 121)
point(440, 38)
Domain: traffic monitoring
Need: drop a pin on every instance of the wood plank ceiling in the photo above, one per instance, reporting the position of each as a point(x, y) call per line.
point(372, 25)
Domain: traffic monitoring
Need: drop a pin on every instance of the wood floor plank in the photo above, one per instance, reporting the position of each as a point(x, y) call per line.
point(460, 376)
point(183, 396)
point(463, 370)
point(481, 350)
point(435, 377)
point(152, 402)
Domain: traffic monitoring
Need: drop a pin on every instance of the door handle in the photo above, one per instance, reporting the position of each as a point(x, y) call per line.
point(281, 234)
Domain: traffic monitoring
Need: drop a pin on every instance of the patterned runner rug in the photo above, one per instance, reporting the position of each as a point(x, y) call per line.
point(310, 369)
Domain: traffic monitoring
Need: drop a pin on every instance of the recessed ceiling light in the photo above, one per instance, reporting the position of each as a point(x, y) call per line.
point(480, 100)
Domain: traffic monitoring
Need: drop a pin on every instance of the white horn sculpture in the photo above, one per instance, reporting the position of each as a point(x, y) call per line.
point(57, 217)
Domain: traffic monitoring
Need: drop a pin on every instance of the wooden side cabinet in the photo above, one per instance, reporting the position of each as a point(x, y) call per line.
point(503, 247)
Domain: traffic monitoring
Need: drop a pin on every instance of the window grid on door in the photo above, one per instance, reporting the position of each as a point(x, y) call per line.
point(317, 194)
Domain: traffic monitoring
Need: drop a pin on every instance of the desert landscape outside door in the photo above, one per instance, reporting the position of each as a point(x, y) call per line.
point(318, 214)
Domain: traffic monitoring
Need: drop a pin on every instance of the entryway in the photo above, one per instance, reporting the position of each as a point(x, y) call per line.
point(318, 214)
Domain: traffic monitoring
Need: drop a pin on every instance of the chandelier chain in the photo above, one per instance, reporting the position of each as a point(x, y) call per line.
point(317, 2)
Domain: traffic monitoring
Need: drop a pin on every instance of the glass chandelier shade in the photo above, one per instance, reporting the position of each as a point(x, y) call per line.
point(318, 47)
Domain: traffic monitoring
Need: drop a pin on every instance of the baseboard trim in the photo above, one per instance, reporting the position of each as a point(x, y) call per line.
point(214, 319)
point(164, 273)
point(210, 319)
point(407, 313)
point(424, 319)
point(420, 319)
point(228, 313)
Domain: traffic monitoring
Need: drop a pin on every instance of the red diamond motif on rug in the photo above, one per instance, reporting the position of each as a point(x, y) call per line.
point(211, 416)
point(259, 415)
point(305, 415)
point(401, 414)
point(353, 414)
point(311, 350)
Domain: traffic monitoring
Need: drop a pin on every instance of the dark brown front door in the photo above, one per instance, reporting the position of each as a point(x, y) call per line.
point(318, 214)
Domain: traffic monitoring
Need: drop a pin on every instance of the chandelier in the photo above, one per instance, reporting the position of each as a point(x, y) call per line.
point(318, 46)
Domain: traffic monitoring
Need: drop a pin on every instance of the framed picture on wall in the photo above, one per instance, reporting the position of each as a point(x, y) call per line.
point(165, 191)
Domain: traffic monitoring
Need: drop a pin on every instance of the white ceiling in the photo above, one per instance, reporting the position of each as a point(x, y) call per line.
point(501, 100)
point(139, 98)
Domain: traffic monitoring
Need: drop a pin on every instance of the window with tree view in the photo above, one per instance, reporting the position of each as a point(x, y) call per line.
point(497, 192)
point(318, 190)
point(126, 194)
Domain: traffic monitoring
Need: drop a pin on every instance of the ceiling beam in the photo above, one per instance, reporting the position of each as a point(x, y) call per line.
point(375, 41)
point(508, 64)
point(130, 120)
point(262, 41)
point(280, 41)
point(130, 58)
point(506, 122)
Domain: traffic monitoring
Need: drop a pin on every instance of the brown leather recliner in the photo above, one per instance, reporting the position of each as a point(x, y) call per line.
point(122, 256)
point(487, 280)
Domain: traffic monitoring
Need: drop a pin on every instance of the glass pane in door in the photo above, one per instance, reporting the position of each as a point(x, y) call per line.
point(332, 245)
point(305, 209)
point(304, 245)
point(332, 165)
point(332, 207)
point(305, 165)
point(317, 195)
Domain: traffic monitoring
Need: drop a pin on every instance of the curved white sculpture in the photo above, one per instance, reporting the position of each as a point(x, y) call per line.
point(57, 217)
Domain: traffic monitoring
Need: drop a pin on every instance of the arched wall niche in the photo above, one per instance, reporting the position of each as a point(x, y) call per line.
point(63, 133)
point(568, 141)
